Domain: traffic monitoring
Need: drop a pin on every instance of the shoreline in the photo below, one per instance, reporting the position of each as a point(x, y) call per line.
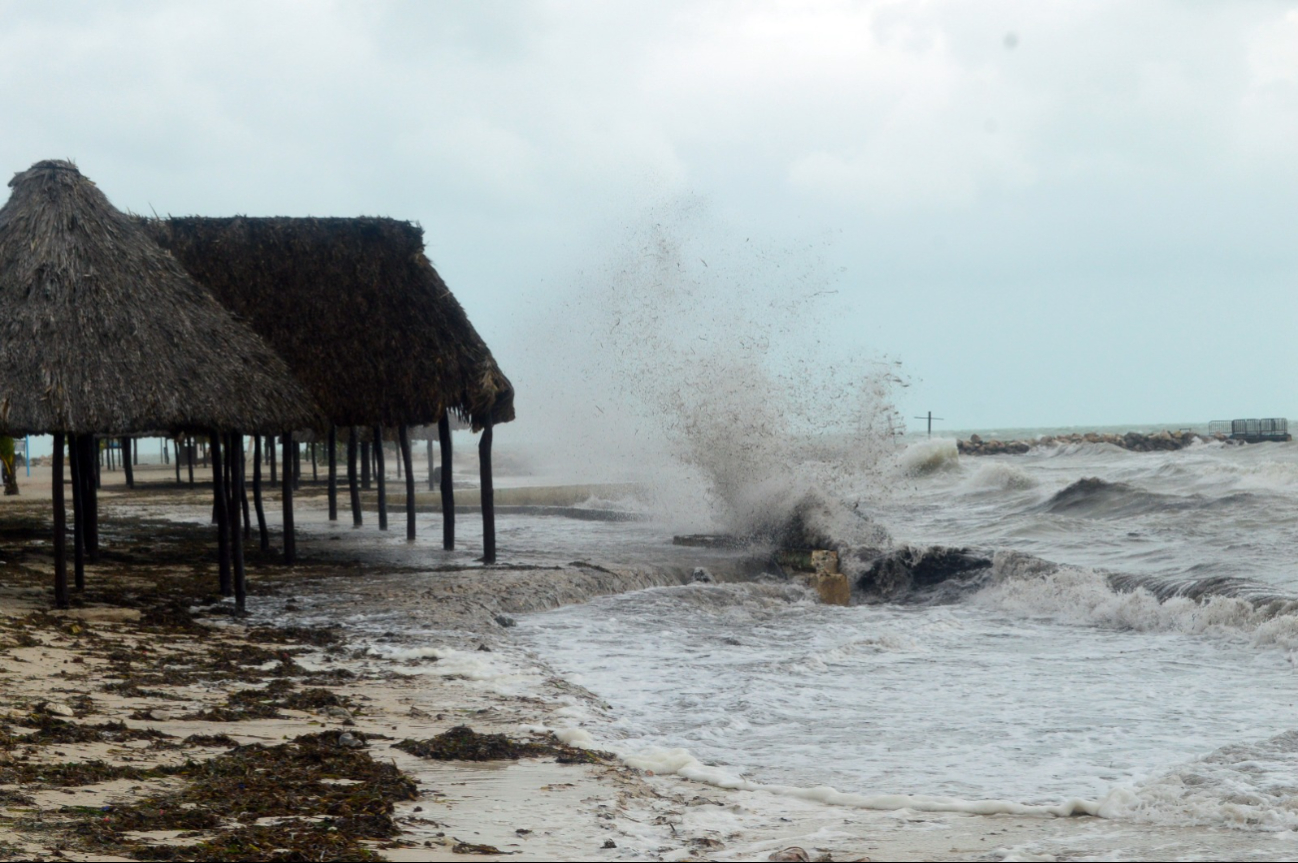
point(463, 668)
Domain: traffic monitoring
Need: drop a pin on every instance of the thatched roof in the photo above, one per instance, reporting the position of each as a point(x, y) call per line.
point(101, 331)
point(355, 308)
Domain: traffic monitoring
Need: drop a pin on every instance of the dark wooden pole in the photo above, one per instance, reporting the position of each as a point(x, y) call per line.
point(488, 496)
point(91, 504)
point(222, 516)
point(235, 459)
point(97, 454)
point(256, 494)
point(135, 451)
point(315, 468)
point(243, 486)
point(77, 458)
point(366, 461)
point(297, 465)
point(60, 528)
point(448, 491)
point(404, 441)
point(270, 445)
point(189, 457)
point(126, 462)
point(176, 443)
point(432, 484)
point(379, 475)
point(352, 484)
point(290, 542)
point(400, 465)
point(333, 473)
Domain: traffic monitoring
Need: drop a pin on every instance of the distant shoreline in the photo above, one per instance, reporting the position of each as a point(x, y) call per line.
point(1160, 441)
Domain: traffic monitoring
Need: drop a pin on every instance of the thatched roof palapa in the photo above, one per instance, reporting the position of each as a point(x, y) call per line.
point(355, 308)
point(103, 332)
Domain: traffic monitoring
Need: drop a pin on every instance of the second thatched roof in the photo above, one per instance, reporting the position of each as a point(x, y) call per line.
point(101, 331)
point(355, 308)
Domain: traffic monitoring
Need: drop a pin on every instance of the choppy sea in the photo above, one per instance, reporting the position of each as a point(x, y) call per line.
point(1149, 678)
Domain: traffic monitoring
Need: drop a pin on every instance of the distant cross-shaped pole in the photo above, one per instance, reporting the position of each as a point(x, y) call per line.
point(930, 422)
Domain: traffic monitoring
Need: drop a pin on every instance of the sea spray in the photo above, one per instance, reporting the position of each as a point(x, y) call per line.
point(703, 370)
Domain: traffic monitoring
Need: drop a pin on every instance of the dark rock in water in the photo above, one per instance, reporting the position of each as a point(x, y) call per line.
point(505, 620)
point(702, 576)
point(889, 575)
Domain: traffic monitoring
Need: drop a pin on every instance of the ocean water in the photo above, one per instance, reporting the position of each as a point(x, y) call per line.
point(1148, 677)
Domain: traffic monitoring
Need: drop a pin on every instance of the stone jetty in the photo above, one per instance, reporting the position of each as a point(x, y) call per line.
point(1135, 441)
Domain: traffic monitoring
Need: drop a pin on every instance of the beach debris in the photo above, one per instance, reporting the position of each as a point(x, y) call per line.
point(350, 741)
point(701, 575)
point(473, 848)
point(56, 708)
point(609, 843)
point(462, 743)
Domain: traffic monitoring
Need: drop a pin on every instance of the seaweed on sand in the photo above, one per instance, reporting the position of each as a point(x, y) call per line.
point(347, 795)
point(462, 743)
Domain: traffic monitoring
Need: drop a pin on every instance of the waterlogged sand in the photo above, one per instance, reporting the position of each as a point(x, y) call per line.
point(449, 663)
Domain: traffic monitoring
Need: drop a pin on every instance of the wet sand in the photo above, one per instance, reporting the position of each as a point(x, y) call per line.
point(149, 675)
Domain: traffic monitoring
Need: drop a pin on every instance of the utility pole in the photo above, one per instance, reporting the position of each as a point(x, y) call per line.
point(930, 419)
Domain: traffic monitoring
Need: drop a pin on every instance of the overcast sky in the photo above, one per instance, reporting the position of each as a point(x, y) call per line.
point(1051, 213)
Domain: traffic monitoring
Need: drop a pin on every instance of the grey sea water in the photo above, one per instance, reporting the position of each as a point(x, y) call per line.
point(1039, 687)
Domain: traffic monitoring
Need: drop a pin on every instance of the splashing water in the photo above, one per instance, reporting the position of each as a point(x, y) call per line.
point(726, 395)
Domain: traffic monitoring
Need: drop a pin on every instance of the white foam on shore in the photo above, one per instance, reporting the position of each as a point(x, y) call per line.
point(488, 670)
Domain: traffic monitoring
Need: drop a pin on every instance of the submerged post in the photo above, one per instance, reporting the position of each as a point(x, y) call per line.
point(60, 528)
point(403, 440)
point(222, 516)
point(488, 496)
point(379, 474)
point(290, 542)
point(256, 494)
point(333, 473)
point(448, 491)
point(77, 457)
point(352, 485)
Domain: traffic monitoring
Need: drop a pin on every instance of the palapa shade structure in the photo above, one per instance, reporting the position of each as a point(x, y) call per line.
point(103, 333)
point(365, 323)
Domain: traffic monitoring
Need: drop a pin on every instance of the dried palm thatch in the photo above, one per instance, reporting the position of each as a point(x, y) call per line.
point(103, 332)
point(364, 321)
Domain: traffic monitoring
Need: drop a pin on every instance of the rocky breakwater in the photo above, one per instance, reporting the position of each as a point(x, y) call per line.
point(1135, 441)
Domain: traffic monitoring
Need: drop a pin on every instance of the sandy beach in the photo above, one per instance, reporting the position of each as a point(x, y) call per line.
point(148, 723)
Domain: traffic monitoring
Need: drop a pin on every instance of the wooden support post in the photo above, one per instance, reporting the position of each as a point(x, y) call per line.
point(488, 496)
point(126, 463)
point(77, 458)
point(135, 451)
point(333, 473)
point(367, 459)
point(61, 597)
point(379, 474)
point(222, 516)
point(432, 476)
point(97, 456)
point(400, 463)
point(235, 460)
point(297, 465)
point(256, 494)
point(176, 444)
point(315, 468)
point(243, 487)
point(404, 441)
point(91, 504)
point(353, 487)
point(189, 457)
point(290, 542)
point(270, 445)
point(448, 491)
